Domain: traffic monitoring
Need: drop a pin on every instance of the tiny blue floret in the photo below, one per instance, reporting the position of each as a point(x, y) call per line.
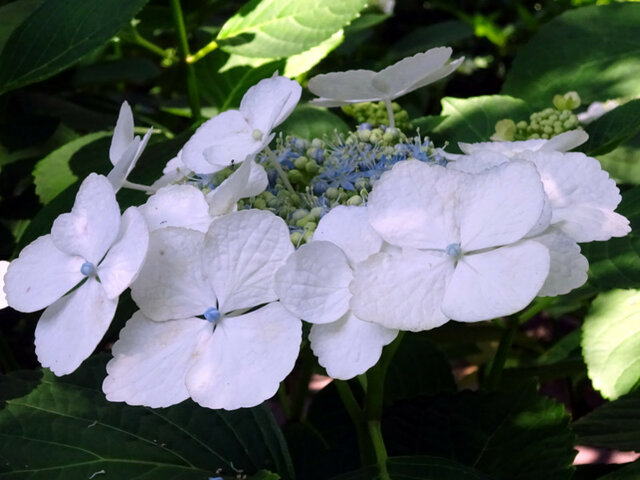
point(212, 314)
point(88, 269)
point(453, 250)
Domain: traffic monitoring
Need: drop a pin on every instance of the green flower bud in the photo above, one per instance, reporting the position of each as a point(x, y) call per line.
point(331, 193)
point(355, 200)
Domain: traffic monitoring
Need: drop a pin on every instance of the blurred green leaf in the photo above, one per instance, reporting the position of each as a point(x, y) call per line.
point(303, 62)
point(517, 435)
point(630, 471)
point(474, 119)
point(419, 468)
point(52, 175)
point(623, 163)
point(12, 15)
point(132, 70)
point(424, 38)
point(308, 121)
point(611, 342)
point(556, 61)
point(57, 35)
point(612, 129)
point(64, 428)
point(281, 28)
point(614, 425)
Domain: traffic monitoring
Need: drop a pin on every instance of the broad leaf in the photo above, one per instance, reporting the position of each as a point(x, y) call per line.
point(474, 119)
point(508, 436)
point(281, 28)
point(12, 15)
point(52, 175)
point(614, 425)
point(623, 163)
point(419, 468)
point(65, 429)
point(611, 342)
point(57, 35)
point(311, 122)
point(627, 472)
point(556, 61)
point(612, 129)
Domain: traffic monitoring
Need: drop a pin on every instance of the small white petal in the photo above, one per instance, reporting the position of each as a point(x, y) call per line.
point(124, 165)
point(497, 282)
point(41, 275)
point(349, 229)
point(171, 283)
point(349, 347)
point(314, 282)
point(124, 259)
point(3, 270)
point(568, 268)
point(174, 171)
point(249, 180)
point(566, 141)
point(402, 291)
point(242, 252)
point(269, 102)
point(177, 206)
point(122, 134)
point(151, 359)
point(71, 328)
point(478, 161)
point(352, 86)
point(93, 224)
point(243, 362)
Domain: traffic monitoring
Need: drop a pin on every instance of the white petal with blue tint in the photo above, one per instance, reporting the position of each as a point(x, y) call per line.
point(177, 206)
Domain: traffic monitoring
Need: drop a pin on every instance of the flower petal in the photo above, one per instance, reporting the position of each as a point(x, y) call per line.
point(352, 86)
point(245, 359)
point(4, 265)
point(174, 171)
point(151, 359)
point(496, 283)
point(171, 284)
point(402, 290)
point(269, 102)
point(568, 268)
point(124, 165)
point(349, 229)
point(349, 347)
point(500, 205)
point(242, 252)
point(122, 134)
point(71, 328)
point(314, 282)
point(93, 224)
point(249, 180)
point(124, 259)
point(41, 275)
point(177, 206)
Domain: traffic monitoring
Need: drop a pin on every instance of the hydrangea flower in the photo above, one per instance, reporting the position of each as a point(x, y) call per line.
point(356, 86)
point(209, 325)
point(236, 134)
point(314, 285)
point(78, 272)
point(125, 149)
point(462, 253)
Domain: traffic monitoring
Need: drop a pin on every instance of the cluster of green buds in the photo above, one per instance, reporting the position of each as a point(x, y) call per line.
point(544, 124)
point(375, 114)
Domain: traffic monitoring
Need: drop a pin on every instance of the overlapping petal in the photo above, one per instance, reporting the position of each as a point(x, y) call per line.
point(177, 206)
point(568, 267)
point(249, 180)
point(268, 103)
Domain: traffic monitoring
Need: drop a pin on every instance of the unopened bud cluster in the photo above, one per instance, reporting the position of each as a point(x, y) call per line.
point(375, 114)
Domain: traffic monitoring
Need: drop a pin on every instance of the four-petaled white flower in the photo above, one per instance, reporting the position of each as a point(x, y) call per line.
point(463, 254)
point(237, 134)
point(125, 148)
point(355, 86)
point(209, 325)
point(78, 272)
point(314, 285)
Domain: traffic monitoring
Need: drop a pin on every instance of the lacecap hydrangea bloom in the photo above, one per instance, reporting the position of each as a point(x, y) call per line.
point(78, 272)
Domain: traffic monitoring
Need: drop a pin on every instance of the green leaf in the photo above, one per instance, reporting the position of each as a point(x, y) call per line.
point(474, 119)
point(308, 121)
point(614, 425)
point(424, 38)
point(418, 368)
point(516, 435)
point(281, 28)
point(65, 429)
point(52, 175)
point(623, 163)
point(611, 342)
point(57, 35)
point(303, 62)
point(616, 262)
point(556, 61)
point(613, 128)
point(630, 471)
point(12, 15)
point(419, 468)
point(130, 70)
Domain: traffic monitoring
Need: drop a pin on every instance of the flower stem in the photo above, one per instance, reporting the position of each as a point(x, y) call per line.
point(137, 186)
point(500, 358)
point(208, 48)
point(392, 120)
point(355, 413)
point(276, 164)
point(183, 48)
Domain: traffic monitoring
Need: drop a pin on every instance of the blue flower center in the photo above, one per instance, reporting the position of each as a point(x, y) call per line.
point(453, 250)
point(212, 314)
point(88, 269)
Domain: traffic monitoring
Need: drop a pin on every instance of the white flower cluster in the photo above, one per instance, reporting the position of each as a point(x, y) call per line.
point(221, 293)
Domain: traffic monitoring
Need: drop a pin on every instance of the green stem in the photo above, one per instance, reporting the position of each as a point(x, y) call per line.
point(284, 400)
point(375, 433)
point(208, 48)
point(276, 164)
point(539, 304)
point(152, 47)
point(302, 387)
point(183, 48)
point(500, 358)
point(355, 413)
